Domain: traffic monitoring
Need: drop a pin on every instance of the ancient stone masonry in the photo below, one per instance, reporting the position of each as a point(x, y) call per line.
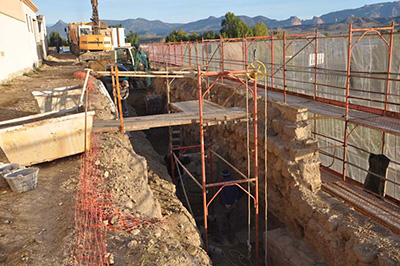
point(320, 228)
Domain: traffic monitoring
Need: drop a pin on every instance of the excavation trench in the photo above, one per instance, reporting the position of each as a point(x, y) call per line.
point(305, 225)
point(222, 251)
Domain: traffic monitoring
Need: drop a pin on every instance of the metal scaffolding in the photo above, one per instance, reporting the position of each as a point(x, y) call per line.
point(204, 121)
point(355, 102)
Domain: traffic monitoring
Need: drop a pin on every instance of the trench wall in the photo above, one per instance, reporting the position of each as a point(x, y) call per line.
point(317, 227)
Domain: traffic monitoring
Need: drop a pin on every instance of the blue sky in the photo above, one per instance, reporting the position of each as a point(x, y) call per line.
point(189, 10)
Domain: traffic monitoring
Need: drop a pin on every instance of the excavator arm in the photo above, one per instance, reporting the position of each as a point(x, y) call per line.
point(95, 17)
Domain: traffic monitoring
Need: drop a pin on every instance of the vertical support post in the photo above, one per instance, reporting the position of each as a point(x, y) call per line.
point(208, 56)
point(114, 92)
point(284, 66)
point(255, 97)
point(202, 51)
point(346, 137)
point(86, 91)
point(162, 51)
point(119, 100)
point(169, 110)
point(190, 54)
point(172, 167)
point(208, 60)
point(245, 50)
point(316, 64)
point(169, 54)
point(390, 51)
point(159, 52)
point(210, 158)
point(175, 54)
point(272, 61)
point(197, 52)
point(221, 46)
point(203, 163)
point(182, 63)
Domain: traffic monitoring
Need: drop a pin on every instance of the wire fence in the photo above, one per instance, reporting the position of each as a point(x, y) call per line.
point(316, 67)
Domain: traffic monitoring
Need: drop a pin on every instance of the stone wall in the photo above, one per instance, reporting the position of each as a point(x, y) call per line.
point(333, 231)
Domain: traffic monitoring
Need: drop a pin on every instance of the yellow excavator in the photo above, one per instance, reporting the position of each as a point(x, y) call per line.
point(89, 36)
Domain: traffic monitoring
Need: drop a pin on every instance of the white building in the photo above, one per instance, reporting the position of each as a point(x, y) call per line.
point(23, 38)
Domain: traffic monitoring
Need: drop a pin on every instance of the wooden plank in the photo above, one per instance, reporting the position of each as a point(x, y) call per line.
point(373, 121)
point(387, 219)
point(37, 117)
point(193, 107)
point(165, 120)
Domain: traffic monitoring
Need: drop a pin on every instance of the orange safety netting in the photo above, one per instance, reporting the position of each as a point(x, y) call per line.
point(92, 202)
point(95, 213)
point(94, 209)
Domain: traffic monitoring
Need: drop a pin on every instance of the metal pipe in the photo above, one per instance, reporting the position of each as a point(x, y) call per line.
point(241, 181)
point(255, 98)
point(210, 158)
point(187, 171)
point(347, 101)
point(221, 45)
point(203, 164)
point(284, 67)
point(390, 50)
point(230, 165)
point(272, 62)
point(316, 63)
point(121, 117)
point(114, 92)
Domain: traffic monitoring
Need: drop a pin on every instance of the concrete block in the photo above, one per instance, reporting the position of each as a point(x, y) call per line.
point(305, 209)
point(365, 253)
point(278, 164)
point(285, 249)
point(273, 112)
point(279, 148)
point(302, 153)
point(383, 260)
point(297, 131)
point(332, 223)
point(29, 143)
point(294, 114)
point(277, 125)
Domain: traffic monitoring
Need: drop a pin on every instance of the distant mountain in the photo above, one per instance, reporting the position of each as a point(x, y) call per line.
point(343, 27)
point(381, 10)
point(143, 26)
point(368, 15)
point(60, 27)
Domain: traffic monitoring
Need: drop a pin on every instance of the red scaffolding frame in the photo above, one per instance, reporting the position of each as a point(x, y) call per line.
point(204, 185)
point(314, 94)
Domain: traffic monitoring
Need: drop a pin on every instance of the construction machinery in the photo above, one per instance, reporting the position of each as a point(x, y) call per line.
point(126, 59)
point(83, 39)
point(91, 36)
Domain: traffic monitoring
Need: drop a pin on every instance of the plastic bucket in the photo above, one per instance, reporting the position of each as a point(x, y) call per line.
point(6, 169)
point(23, 180)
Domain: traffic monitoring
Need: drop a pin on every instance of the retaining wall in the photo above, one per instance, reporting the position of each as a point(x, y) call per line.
point(317, 227)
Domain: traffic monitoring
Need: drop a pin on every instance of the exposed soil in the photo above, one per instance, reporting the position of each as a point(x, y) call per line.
point(37, 227)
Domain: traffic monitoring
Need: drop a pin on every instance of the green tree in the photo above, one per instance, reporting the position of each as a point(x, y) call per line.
point(208, 35)
point(177, 36)
point(194, 37)
point(260, 29)
point(233, 27)
point(133, 38)
point(54, 37)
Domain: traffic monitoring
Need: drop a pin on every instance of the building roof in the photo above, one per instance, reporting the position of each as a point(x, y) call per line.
point(31, 5)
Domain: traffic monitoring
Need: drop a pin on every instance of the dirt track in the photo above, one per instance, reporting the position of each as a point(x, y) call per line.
point(37, 227)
